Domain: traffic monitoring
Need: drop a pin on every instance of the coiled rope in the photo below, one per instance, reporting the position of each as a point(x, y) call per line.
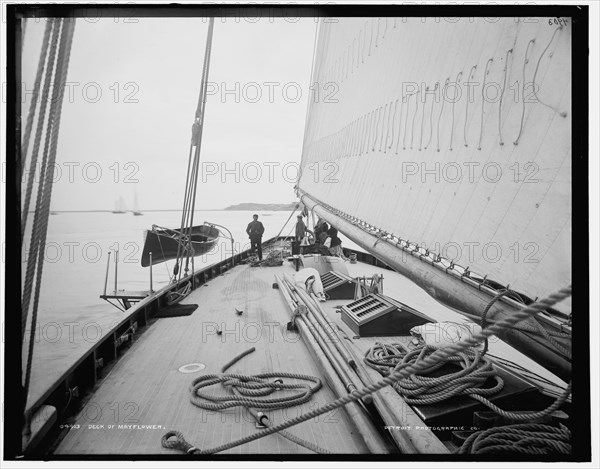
point(521, 438)
point(440, 354)
point(260, 417)
point(253, 390)
point(424, 390)
point(384, 357)
point(510, 439)
point(250, 391)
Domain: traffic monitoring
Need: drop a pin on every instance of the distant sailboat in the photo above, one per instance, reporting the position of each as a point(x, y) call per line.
point(136, 211)
point(120, 206)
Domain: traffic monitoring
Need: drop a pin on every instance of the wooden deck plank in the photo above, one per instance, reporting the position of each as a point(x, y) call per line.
point(148, 376)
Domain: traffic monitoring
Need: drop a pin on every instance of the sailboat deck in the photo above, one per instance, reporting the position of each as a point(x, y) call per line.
point(146, 388)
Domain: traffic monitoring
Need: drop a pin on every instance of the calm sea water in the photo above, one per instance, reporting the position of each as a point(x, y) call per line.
point(71, 316)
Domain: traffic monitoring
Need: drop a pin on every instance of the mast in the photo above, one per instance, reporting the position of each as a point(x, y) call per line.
point(191, 185)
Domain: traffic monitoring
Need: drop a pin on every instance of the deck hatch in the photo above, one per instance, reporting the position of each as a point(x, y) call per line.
point(368, 307)
point(374, 315)
point(338, 286)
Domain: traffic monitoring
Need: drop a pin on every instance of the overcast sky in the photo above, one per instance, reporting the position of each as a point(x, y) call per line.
point(132, 95)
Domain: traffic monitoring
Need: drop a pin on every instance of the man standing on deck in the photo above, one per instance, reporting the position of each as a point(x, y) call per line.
point(301, 231)
point(335, 245)
point(255, 231)
point(321, 231)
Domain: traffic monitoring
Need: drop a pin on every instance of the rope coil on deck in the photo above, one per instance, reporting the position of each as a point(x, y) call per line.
point(238, 386)
point(522, 438)
point(476, 370)
point(420, 389)
point(439, 354)
point(253, 391)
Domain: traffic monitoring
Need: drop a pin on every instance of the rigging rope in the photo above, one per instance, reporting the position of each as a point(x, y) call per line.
point(42, 209)
point(539, 329)
point(407, 370)
point(191, 185)
point(55, 26)
point(175, 296)
point(288, 220)
point(36, 90)
point(33, 247)
point(162, 251)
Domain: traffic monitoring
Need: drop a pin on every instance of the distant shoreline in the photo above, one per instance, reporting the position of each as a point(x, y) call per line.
point(131, 211)
point(240, 207)
point(268, 207)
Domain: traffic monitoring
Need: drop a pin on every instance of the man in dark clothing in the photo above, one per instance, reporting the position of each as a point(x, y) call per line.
point(321, 231)
point(301, 231)
point(255, 231)
point(335, 246)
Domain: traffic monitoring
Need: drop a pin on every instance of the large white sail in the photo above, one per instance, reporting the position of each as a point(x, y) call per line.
point(423, 128)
